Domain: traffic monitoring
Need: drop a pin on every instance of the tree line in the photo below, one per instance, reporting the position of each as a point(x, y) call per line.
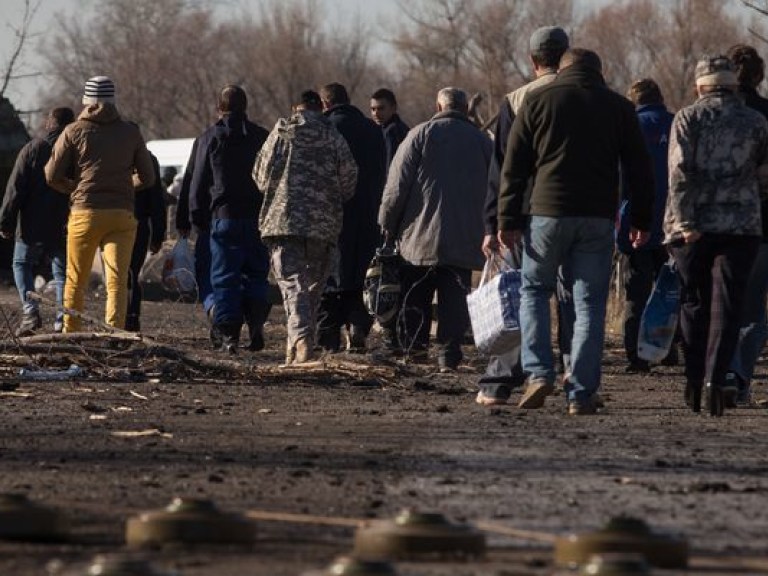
point(170, 58)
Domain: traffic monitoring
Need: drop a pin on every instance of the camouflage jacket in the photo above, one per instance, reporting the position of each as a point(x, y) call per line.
point(306, 172)
point(717, 150)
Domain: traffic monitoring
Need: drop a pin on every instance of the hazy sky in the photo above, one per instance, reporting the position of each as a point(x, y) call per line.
point(23, 92)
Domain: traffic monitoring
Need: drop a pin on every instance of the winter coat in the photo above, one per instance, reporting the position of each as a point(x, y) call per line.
point(572, 135)
point(150, 205)
point(359, 234)
point(35, 211)
point(433, 200)
point(507, 113)
point(307, 173)
point(222, 186)
point(655, 122)
point(183, 222)
point(757, 102)
point(394, 132)
point(100, 161)
point(717, 149)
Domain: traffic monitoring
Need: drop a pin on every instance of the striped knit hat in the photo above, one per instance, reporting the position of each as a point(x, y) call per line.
point(99, 89)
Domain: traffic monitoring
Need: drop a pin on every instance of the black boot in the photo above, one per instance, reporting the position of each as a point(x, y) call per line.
point(693, 395)
point(256, 313)
point(132, 323)
point(30, 322)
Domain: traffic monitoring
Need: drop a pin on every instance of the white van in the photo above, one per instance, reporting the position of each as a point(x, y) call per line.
point(174, 152)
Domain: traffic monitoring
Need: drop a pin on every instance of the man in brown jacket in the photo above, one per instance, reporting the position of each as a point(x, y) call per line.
point(99, 161)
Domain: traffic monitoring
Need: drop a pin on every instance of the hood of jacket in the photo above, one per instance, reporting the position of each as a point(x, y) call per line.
point(102, 113)
point(232, 126)
point(307, 122)
point(343, 110)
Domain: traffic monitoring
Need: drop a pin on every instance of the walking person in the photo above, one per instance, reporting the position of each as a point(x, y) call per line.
point(109, 161)
point(571, 136)
point(750, 71)
point(433, 205)
point(342, 302)
point(224, 198)
point(643, 263)
point(307, 173)
point(384, 113)
point(37, 216)
point(504, 372)
point(150, 213)
point(712, 223)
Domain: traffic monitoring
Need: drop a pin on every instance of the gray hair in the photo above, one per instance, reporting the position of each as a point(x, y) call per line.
point(451, 98)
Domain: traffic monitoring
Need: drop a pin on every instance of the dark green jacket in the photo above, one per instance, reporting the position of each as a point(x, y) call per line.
point(572, 136)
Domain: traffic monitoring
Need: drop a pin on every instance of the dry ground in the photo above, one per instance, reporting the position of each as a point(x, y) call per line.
point(368, 447)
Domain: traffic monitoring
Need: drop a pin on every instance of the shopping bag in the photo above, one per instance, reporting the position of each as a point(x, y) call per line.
point(658, 323)
point(494, 307)
point(179, 269)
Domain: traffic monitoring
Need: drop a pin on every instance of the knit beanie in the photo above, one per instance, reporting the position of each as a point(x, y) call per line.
point(99, 89)
point(716, 71)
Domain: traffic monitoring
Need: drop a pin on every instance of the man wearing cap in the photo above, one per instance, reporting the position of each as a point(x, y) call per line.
point(504, 372)
point(99, 161)
point(307, 172)
point(572, 136)
point(718, 156)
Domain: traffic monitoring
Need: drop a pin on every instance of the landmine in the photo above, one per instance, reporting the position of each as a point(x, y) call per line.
point(22, 519)
point(188, 521)
point(418, 536)
point(623, 535)
point(352, 566)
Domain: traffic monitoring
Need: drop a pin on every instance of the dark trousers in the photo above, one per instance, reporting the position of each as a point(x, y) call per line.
point(713, 274)
point(139, 254)
point(418, 285)
point(239, 268)
point(642, 268)
point(342, 308)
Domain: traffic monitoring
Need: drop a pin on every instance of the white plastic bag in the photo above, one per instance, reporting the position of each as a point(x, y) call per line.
point(179, 269)
point(494, 308)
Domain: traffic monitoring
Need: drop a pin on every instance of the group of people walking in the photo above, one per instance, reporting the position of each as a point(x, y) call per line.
point(574, 171)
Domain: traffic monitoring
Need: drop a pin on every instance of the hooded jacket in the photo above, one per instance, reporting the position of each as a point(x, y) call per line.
point(433, 201)
point(221, 185)
point(571, 136)
point(36, 212)
point(307, 173)
point(100, 160)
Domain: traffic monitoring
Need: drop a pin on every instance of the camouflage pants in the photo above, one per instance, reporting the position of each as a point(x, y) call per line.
point(301, 268)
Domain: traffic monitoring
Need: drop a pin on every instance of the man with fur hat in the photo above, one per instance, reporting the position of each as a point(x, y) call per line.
point(110, 161)
point(717, 152)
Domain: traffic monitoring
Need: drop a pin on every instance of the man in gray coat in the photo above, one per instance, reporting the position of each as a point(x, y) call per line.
point(433, 204)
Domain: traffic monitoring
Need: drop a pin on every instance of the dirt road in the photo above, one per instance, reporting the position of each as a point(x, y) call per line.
point(357, 447)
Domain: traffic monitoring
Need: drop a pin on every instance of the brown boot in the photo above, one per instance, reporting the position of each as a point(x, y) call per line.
point(290, 354)
point(304, 351)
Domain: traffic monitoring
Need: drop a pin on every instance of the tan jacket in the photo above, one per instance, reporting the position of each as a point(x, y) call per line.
point(100, 161)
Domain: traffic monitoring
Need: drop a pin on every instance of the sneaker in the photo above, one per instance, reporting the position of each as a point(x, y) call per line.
point(487, 400)
point(581, 408)
point(30, 323)
point(535, 393)
point(58, 324)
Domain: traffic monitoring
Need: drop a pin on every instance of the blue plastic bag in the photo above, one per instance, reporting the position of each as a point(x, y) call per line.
point(659, 321)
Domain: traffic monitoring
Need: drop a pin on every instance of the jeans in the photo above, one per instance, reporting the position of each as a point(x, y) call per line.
point(419, 284)
point(26, 257)
point(713, 274)
point(754, 331)
point(586, 244)
point(88, 230)
point(239, 269)
point(642, 268)
point(203, 269)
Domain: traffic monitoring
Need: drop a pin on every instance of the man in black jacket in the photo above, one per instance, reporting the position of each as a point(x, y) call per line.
point(342, 303)
point(37, 215)
point(149, 211)
point(224, 198)
point(384, 113)
point(573, 134)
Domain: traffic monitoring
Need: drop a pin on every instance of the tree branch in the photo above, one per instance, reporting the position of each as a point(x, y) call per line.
point(22, 33)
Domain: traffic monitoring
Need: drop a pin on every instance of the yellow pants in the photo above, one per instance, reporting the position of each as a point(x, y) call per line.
point(114, 232)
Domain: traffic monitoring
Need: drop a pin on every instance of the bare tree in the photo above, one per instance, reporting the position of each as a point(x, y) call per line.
point(22, 33)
